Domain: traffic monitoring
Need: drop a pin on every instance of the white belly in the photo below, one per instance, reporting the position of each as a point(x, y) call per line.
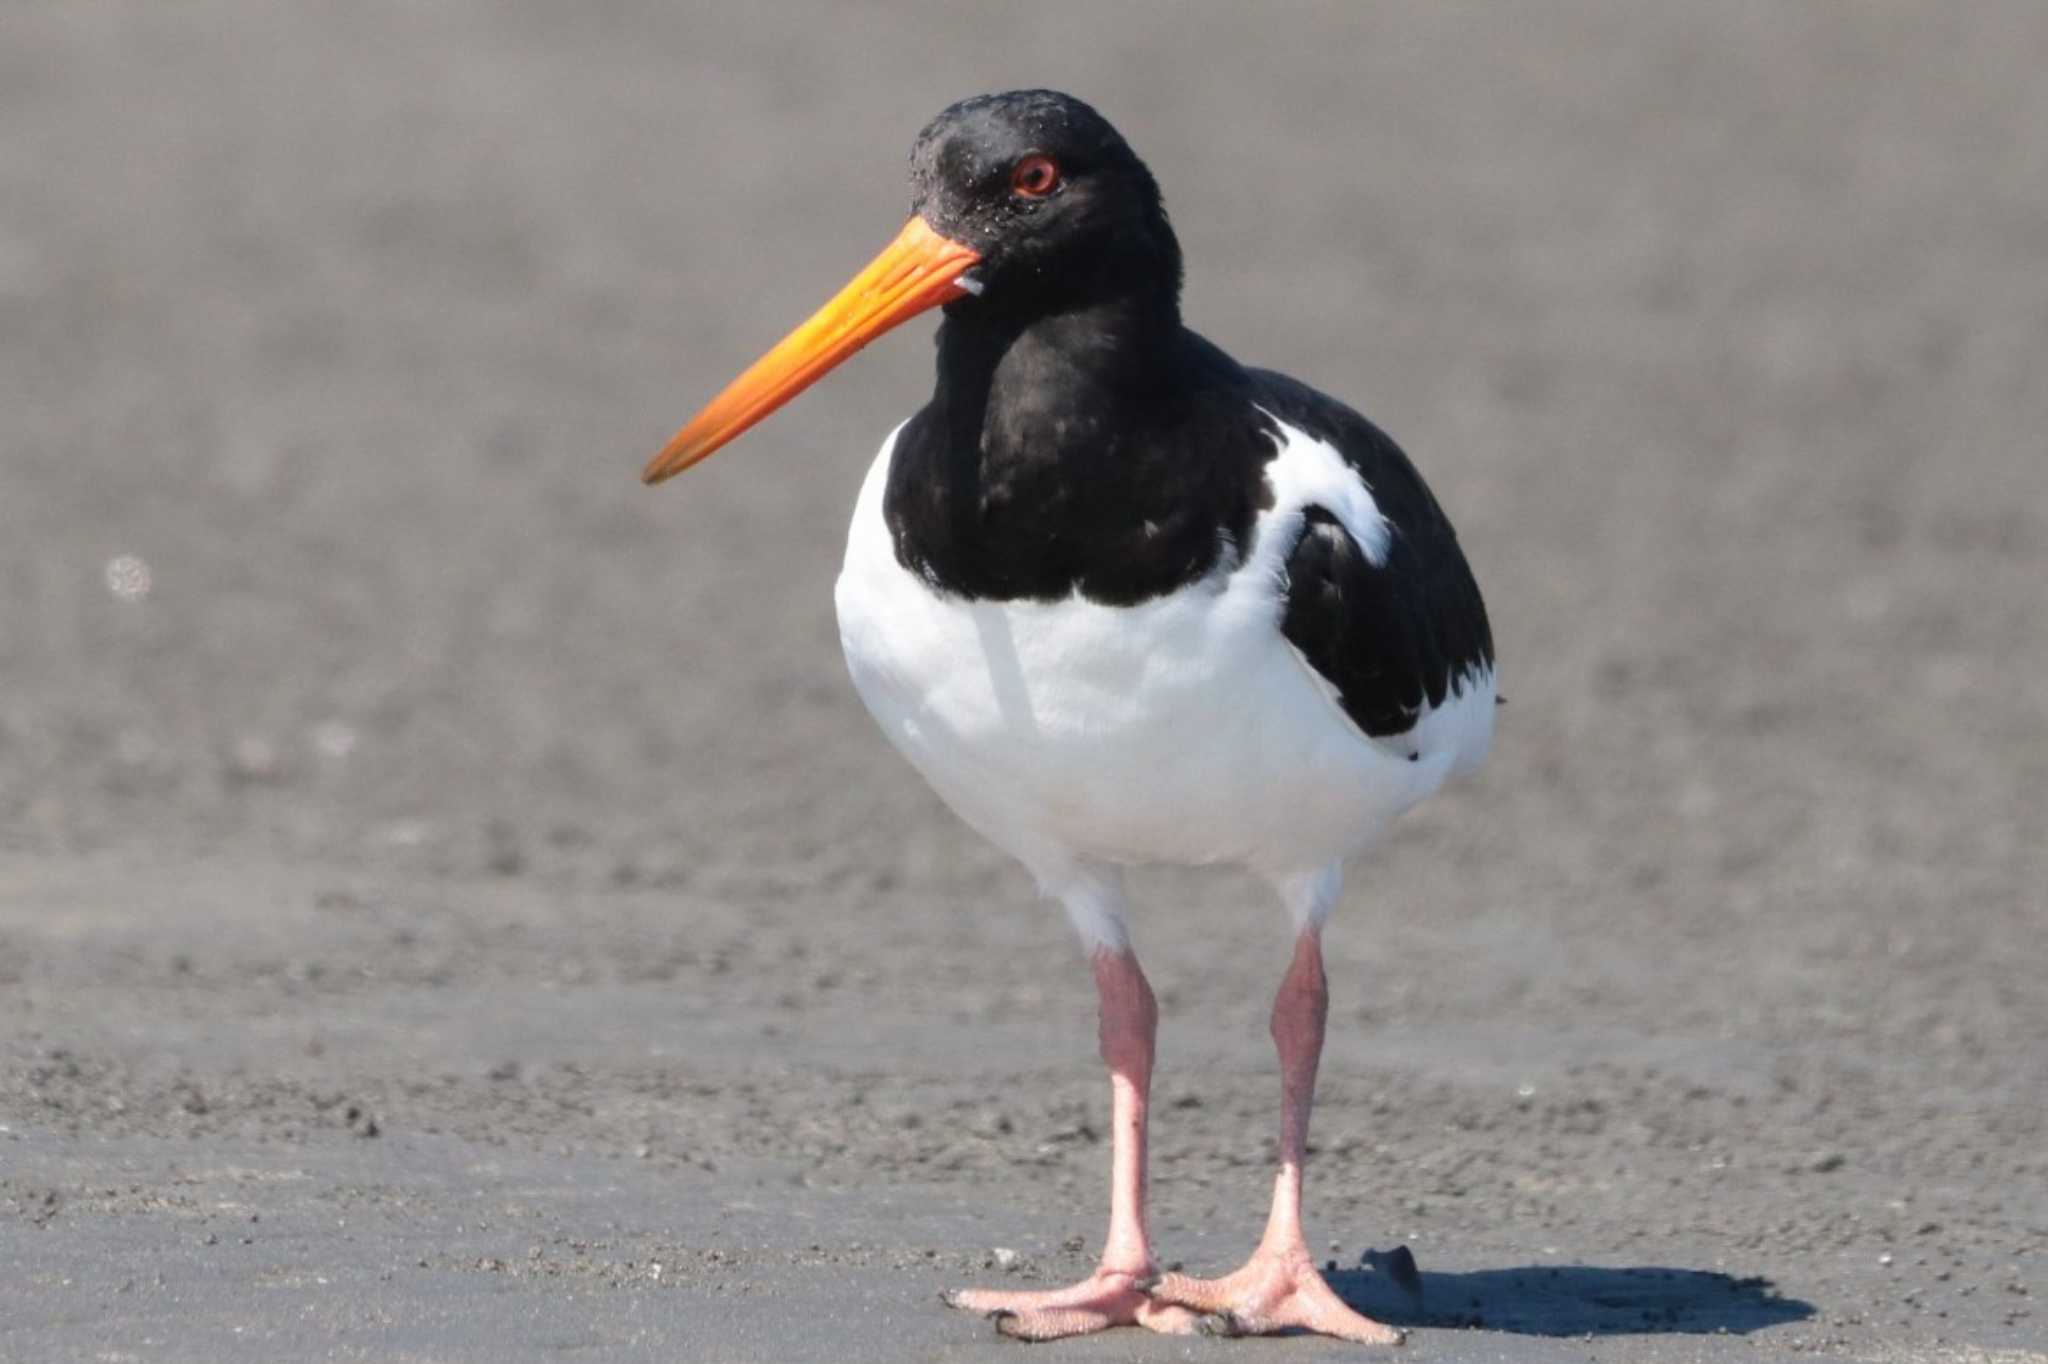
point(1185, 729)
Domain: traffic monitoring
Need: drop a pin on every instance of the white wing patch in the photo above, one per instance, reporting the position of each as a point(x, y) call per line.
point(1309, 471)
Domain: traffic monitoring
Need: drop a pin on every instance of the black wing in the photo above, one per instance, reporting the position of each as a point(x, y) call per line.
point(1390, 637)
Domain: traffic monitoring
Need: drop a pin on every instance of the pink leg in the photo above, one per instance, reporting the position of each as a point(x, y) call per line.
point(1279, 1288)
point(1115, 1294)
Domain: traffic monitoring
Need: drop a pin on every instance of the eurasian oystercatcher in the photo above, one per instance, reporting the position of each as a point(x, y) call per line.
point(1123, 600)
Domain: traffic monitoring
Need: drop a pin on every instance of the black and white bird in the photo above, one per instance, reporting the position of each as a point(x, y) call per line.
point(1123, 600)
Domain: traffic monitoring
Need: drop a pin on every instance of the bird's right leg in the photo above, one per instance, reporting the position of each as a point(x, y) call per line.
point(1116, 1294)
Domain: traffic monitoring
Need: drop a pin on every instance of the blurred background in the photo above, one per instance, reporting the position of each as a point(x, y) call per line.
point(345, 661)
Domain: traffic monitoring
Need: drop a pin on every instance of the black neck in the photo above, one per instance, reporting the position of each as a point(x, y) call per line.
point(1085, 448)
point(1008, 383)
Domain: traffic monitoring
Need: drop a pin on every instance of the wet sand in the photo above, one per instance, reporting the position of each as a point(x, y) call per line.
point(453, 907)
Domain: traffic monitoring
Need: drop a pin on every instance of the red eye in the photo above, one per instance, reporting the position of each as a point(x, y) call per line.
point(1035, 177)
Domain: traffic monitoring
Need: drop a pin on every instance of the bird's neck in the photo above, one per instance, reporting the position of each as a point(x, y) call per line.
point(1053, 388)
point(1071, 451)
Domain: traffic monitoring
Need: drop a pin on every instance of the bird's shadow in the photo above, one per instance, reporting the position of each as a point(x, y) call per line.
point(1564, 1300)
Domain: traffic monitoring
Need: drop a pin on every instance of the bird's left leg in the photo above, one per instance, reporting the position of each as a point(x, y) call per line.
point(1279, 1288)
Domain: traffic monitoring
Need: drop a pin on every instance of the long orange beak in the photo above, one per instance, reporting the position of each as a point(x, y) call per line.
point(917, 271)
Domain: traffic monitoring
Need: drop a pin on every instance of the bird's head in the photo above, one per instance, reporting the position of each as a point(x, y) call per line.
point(1055, 203)
point(1022, 204)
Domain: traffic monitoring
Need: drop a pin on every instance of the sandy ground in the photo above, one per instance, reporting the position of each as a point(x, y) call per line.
point(453, 907)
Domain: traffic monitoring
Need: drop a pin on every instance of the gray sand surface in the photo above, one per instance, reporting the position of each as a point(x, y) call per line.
point(452, 906)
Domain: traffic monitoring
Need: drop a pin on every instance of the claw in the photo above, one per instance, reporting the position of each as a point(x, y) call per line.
point(1274, 1291)
point(1104, 1299)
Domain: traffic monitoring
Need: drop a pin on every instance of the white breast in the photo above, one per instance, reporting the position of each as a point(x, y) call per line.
point(1185, 729)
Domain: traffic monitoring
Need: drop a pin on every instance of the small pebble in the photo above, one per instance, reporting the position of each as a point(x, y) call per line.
point(334, 739)
point(255, 759)
point(128, 578)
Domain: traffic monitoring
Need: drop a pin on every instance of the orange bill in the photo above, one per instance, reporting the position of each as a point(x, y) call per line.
point(919, 270)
